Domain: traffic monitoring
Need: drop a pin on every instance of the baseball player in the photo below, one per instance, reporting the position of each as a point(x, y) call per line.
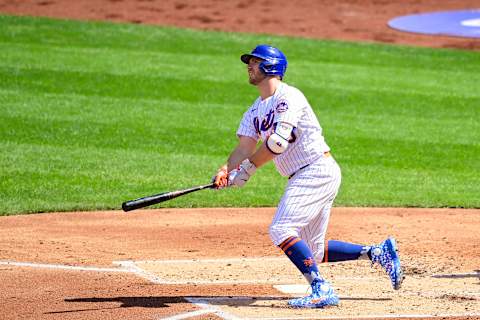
point(290, 134)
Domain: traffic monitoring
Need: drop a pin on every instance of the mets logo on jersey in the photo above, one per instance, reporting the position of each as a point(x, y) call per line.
point(266, 124)
point(282, 106)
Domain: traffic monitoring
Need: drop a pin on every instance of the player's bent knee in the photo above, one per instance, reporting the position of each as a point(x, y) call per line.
point(278, 234)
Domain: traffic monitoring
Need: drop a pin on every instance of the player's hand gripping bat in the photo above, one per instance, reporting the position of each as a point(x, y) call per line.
point(161, 197)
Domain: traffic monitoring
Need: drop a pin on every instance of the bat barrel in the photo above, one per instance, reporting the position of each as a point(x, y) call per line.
point(134, 204)
point(145, 201)
point(157, 198)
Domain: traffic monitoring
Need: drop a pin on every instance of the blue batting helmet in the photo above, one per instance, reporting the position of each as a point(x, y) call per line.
point(274, 61)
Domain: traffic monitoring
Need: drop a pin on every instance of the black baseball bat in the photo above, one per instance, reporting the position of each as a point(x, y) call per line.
point(161, 197)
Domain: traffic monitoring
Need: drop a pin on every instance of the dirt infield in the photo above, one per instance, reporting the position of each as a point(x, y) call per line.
point(364, 20)
point(220, 264)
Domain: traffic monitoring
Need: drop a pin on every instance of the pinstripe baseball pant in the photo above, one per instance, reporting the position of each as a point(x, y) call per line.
point(304, 209)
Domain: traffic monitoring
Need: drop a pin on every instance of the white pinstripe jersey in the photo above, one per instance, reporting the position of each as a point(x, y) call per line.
point(289, 105)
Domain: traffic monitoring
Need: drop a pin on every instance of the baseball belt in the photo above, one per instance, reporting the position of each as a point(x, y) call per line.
point(326, 154)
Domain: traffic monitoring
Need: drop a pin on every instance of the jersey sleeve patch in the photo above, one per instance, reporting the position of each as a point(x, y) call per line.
point(282, 106)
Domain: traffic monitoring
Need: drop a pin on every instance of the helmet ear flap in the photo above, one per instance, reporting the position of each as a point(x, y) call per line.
point(270, 68)
point(264, 67)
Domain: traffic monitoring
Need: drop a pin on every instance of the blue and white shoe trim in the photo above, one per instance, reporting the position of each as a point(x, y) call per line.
point(386, 254)
point(322, 296)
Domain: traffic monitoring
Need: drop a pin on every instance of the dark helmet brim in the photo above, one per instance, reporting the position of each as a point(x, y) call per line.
point(246, 58)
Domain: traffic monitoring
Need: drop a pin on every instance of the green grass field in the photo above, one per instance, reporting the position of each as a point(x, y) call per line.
point(93, 114)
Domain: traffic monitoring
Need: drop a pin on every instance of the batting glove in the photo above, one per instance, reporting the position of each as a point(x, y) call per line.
point(240, 176)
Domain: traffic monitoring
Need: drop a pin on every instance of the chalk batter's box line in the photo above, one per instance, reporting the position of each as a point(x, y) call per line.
point(125, 266)
point(131, 267)
point(213, 260)
point(61, 267)
point(206, 307)
point(386, 316)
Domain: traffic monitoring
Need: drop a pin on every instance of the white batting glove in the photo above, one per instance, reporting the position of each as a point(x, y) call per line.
point(240, 176)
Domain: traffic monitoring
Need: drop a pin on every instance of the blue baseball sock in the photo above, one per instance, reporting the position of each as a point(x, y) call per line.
point(343, 251)
point(300, 254)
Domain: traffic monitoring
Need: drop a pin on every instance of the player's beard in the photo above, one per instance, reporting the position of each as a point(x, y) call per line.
point(255, 77)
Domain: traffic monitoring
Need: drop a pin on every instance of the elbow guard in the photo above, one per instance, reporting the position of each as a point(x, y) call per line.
point(277, 142)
